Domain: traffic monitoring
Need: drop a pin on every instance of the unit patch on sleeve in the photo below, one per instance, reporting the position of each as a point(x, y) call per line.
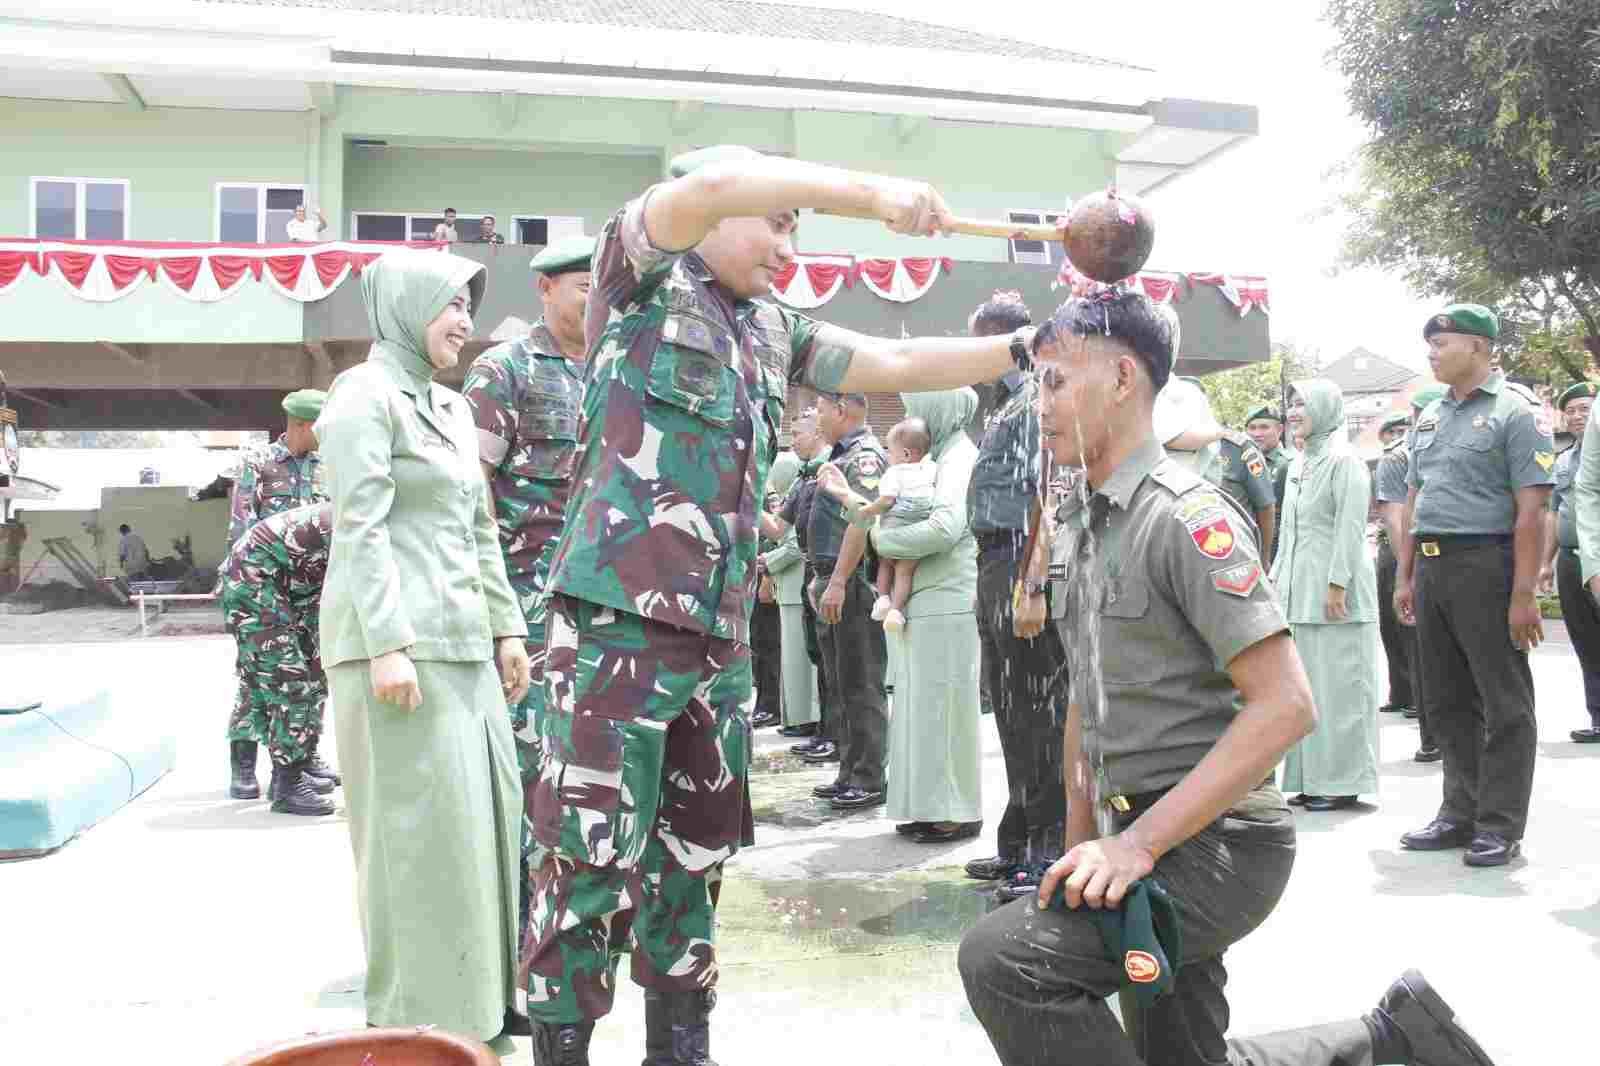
point(1239, 580)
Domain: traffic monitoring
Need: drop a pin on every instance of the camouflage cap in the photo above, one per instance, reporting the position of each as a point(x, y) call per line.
point(1426, 396)
point(1473, 319)
point(689, 162)
point(565, 256)
point(1266, 411)
point(1576, 392)
point(306, 404)
point(1398, 420)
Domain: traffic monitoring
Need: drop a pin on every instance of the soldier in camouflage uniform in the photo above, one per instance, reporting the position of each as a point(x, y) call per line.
point(272, 479)
point(271, 590)
point(525, 397)
point(645, 729)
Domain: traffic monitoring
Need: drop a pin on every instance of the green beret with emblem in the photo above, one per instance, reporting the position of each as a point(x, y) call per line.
point(1576, 392)
point(1399, 420)
point(565, 256)
point(306, 404)
point(1266, 411)
point(689, 162)
point(1473, 319)
point(1426, 396)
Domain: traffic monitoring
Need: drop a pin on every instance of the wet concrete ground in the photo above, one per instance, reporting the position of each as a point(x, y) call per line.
point(190, 928)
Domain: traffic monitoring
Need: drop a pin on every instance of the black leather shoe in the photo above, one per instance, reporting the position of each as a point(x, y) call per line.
point(563, 1044)
point(1491, 849)
point(1329, 803)
point(516, 1023)
point(242, 758)
point(996, 868)
point(807, 730)
point(907, 829)
point(1411, 713)
point(1585, 736)
point(1298, 801)
point(762, 719)
point(830, 790)
point(938, 834)
point(1429, 1025)
point(827, 751)
point(808, 746)
point(1437, 835)
point(855, 799)
point(1432, 754)
point(1393, 708)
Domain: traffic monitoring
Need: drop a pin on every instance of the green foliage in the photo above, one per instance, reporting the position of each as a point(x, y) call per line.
point(1235, 393)
point(1481, 180)
point(102, 438)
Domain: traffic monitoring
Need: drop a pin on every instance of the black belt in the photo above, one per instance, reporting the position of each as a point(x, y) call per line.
point(1432, 544)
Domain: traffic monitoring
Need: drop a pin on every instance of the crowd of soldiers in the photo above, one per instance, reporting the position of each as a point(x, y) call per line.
point(678, 594)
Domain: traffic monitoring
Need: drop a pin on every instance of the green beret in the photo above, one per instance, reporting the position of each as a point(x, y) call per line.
point(1473, 319)
point(565, 256)
point(1266, 410)
point(305, 405)
point(689, 162)
point(1399, 420)
point(1574, 392)
point(1426, 396)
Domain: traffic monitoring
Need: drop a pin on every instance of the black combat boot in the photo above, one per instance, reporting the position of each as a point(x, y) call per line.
point(320, 770)
point(677, 1028)
point(292, 792)
point(561, 1043)
point(244, 785)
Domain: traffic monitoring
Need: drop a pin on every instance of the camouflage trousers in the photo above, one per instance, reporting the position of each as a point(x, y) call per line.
point(281, 691)
point(525, 724)
point(643, 793)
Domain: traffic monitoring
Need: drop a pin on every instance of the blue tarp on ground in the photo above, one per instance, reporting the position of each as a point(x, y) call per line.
point(65, 768)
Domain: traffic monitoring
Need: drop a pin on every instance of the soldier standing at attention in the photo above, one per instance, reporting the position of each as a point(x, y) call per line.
point(1468, 574)
point(271, 593)
point(272, 479)
point(1265, 428)
point(1156, 582)
point(642, 793)
point(1561, 566)
point(525, 397)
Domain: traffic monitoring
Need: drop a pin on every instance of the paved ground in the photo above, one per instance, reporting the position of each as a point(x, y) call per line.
point(189, 928)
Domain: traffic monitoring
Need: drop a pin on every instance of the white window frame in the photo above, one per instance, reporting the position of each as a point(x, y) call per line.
point(409, 216)
point(261, 188)
point(81, 222)
point(547, 220)
point(1032, 258)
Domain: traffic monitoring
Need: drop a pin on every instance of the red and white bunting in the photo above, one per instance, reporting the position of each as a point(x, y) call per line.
point(1244, 291)
point(810, 281)
point(901, 280)
point(101, 272)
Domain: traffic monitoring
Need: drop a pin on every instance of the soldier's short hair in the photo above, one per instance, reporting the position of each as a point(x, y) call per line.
point(1130, 317)
point(1000, 315)
point(913, 435)
point(852, 399)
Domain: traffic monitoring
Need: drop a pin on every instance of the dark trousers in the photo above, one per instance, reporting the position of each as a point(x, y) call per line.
point(766, 652)
point(1582, 619)
point(1039, 980)
point(1020, 679)
point(855, 655)
point(1478, 686)
point(1399, 641)
point(825, 724)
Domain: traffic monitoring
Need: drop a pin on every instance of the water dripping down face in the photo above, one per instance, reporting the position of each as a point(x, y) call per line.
point(1075, 394)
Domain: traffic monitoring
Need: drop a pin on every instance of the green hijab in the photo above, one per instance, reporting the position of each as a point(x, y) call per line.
point(404, 291)
point(1325, 436)
point(946, 413)
point(785, 468)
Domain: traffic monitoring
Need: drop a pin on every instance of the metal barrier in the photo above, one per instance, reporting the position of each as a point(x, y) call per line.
point(161, 600)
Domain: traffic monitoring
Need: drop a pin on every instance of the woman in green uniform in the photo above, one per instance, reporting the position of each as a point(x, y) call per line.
point(416, 610)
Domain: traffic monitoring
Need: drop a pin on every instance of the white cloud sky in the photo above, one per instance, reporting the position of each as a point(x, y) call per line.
point(1251, 210)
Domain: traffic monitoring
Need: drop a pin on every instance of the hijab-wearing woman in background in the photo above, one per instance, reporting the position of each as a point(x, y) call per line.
point(416, 610)
point(1329, 590)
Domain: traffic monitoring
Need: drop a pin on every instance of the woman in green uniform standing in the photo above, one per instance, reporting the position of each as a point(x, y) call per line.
point(416, 612)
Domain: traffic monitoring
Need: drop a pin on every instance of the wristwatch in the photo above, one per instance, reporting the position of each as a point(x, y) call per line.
point(1020, 353)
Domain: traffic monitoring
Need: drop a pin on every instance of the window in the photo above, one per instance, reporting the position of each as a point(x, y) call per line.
point(81, 209)
point(1043, 253)
point(395, 226)
point(544, 229)
point(252, 213)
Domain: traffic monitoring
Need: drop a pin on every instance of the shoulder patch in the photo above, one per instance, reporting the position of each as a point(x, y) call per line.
point(1238, 580)
point(1546, 460)
point(1257, 466)
point(1207, 522)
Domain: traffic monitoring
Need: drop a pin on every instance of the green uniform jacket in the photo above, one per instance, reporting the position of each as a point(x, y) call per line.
point(786, 562)
point(1586, 501)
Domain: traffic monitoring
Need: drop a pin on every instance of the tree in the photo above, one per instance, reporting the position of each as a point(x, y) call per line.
point(1235, 393)
point(103, 438)
point(1481, 179)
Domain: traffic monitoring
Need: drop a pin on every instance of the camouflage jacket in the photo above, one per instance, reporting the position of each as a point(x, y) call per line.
point(526, 399)
point(272, 480)
point(682, 403)
point(273, 575)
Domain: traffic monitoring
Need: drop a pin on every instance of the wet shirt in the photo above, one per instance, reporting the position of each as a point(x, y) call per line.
point(1158, 577)
point(1469, 458)
point(1240, 470)
point(526, 399)
point(282, 561)
point(1563, 501)
point(862, 461)
point(1005, 480)
point(684, 394)
point(272, 479)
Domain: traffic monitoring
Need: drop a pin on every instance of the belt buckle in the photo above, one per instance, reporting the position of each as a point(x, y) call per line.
point(1430, 548)
point(1119, 803)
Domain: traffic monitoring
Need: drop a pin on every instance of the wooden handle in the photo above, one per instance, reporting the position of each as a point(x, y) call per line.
point(973, 227)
